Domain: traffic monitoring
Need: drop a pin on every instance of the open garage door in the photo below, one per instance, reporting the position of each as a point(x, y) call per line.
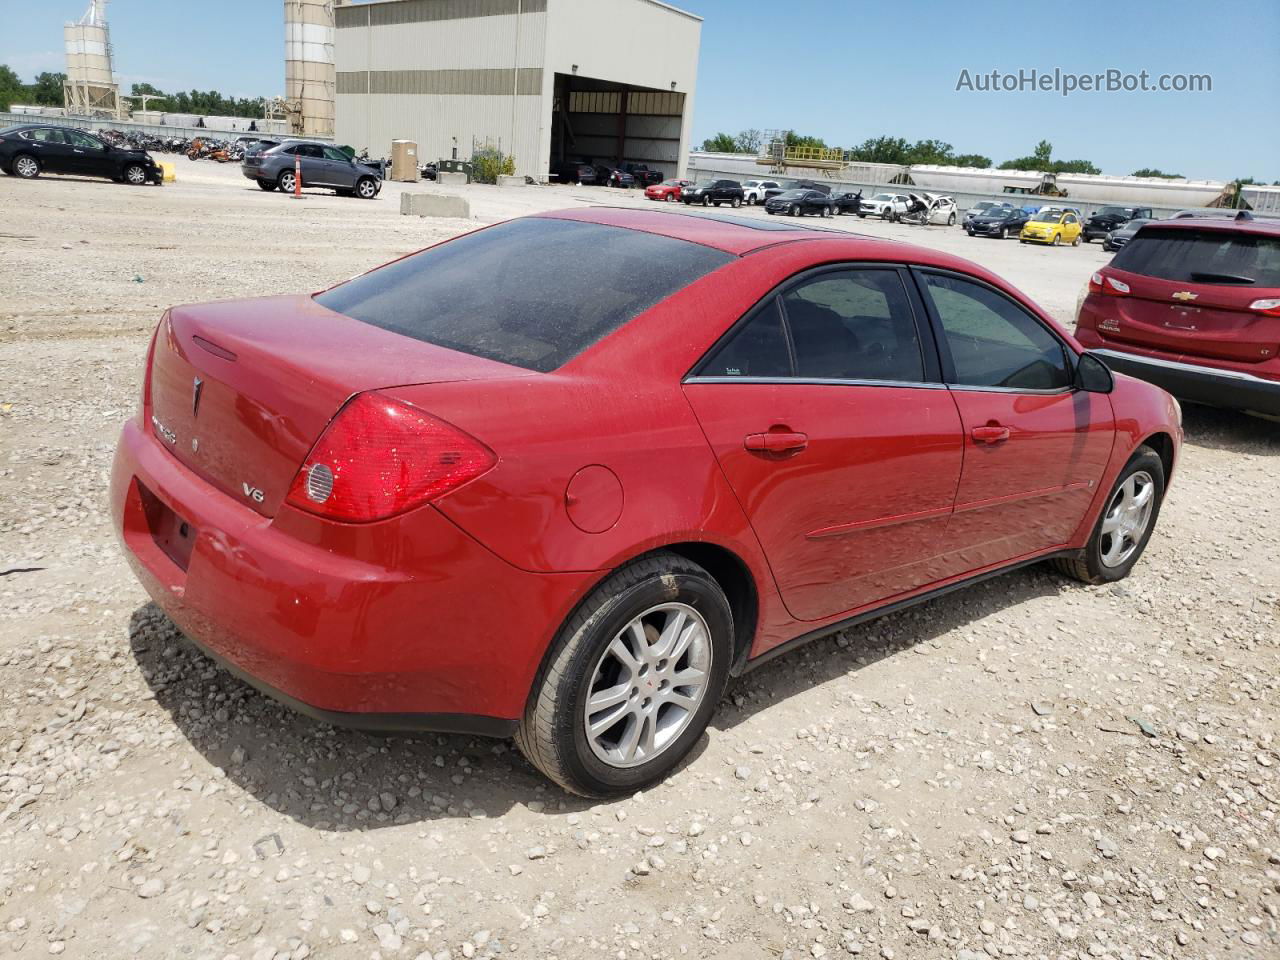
point(596, 121)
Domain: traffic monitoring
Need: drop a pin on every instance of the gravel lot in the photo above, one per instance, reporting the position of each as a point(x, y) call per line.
point(1029, 768)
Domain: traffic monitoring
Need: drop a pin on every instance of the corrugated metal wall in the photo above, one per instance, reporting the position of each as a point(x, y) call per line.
point(435, 71)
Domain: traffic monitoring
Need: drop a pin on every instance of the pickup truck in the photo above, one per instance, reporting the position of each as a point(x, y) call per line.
point(643, 175)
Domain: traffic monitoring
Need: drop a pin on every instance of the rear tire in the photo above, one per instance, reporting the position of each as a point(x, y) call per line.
point(26, 166)
point(1092, 567)
point(951, 220)
point(267, 185)
point(1076, 241)
point(582, 665)
point(736, 203)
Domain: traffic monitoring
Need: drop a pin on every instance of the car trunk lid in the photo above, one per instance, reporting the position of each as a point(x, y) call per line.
point(240, 390)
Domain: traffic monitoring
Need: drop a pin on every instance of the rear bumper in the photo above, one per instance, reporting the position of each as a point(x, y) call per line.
point(408, 624)
point(1199, 384)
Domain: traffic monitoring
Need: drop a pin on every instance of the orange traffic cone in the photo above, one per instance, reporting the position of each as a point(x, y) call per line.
point(297, 177)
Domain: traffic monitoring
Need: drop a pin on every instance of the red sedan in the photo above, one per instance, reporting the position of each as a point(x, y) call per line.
point(475, 491)
point(668, 190)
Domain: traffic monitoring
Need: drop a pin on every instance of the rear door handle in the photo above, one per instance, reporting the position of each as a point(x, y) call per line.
point(992, 433)
point(776, 442)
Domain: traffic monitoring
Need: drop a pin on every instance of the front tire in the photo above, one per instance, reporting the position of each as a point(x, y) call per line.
point(632, 679)
point(794, 211)
point(366, 188)
point(706, 201)
point(1125, 526)
point(135, 175)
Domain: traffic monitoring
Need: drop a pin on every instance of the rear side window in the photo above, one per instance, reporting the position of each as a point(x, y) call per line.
point(533, 293)
point(1203, 256)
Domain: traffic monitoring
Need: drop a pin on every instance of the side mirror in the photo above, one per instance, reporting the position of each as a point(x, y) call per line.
point(1093, 376)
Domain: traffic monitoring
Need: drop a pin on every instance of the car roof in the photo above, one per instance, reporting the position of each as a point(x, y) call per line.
point(740, 236)
point(1226, 223)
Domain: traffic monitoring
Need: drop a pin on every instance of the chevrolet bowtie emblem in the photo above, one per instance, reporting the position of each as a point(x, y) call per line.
point(1185, 295)
point(196, 386)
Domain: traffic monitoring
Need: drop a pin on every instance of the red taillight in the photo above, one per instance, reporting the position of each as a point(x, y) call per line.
point(1101, 283)
point(146, 370)
point(1269, 307)
point(380, 457)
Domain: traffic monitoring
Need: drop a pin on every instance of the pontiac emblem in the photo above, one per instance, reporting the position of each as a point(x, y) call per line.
point(1185, 295)
point(196, 386)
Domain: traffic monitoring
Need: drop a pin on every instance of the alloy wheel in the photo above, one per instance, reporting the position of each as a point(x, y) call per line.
point(367, 189)
point(136, 175)
point(1127, 518)
point(648, 684)
point(287, 182)
point(26, 167)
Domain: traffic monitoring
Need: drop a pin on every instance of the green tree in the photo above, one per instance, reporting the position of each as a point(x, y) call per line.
point(1153, 172)
point(721, 143)
point(748, 141)
point(1041, 160)
point(971, 160)
point(47, 90)
point(10, 87)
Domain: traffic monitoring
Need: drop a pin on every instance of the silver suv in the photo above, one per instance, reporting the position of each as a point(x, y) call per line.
point(323, 165)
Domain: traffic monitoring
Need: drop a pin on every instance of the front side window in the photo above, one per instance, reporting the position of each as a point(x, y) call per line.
point(83, 140)
point(333, 153)
point(992, 341)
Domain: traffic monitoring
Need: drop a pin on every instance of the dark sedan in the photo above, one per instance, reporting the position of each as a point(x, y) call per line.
point(29, 150)
point(714, 192)
point(847, 203)
point(322, 165)
point(1100, 224)
point(798, 203)
point(1001, 222)
point(583, 173)
point(614, 176)
point(1119, 237)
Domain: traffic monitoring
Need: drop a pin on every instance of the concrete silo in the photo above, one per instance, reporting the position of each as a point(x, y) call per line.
point(309, 78)
point(90, 88)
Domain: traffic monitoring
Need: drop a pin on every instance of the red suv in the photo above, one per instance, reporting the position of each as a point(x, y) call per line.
point(1194, 306)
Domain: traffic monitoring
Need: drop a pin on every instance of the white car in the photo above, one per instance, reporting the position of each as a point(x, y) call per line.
point(884, 205)
point(753, 191)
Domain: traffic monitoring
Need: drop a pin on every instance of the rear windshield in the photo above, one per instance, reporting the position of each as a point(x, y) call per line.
point(1203, 256)
point(533, 293)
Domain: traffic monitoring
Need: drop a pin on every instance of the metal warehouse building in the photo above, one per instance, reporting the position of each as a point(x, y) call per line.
point(545, 80)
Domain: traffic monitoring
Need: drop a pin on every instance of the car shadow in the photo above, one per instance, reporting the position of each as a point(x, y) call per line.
point(855, 648)
point(1229, 430)
point(332, 778)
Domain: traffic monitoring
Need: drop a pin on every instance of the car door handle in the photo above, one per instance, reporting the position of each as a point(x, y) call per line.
point(991, 433)
point(776, 442)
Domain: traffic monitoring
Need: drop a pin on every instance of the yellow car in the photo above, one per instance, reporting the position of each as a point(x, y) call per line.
point(1052, 226)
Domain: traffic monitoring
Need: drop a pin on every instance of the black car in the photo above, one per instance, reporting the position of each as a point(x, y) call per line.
point(847, 203)
point(573, 172)
point(1123, 234)
point(29, 150)
point(1001, 222)
point(714, 191)
point(798, 203)
point(1109, 218)
point(643, 175)
point(612, 176)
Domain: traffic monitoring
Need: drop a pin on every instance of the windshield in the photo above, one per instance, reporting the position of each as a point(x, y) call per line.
point(1203, 256)
point(1047, 216)
point(704, 184)
point(883, 196)
point(503, 293)
point(792, 195)
point(1115, 212)
point(671, 183)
